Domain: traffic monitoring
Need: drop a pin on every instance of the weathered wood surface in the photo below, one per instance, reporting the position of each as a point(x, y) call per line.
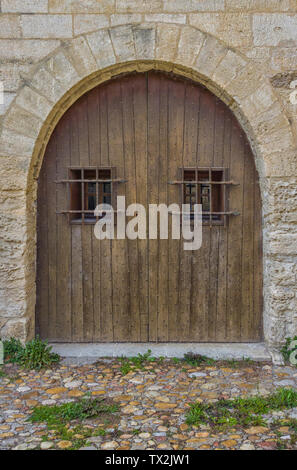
point(148, 126)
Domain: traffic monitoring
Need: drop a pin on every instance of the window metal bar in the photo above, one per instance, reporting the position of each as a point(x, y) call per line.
point(235, 213)
point(210, 216)
point(97, 191)
point(83, 195)
point(224, 196)
point(68, 198)
point(205, 182)
point(89, 212)
point(93, 181)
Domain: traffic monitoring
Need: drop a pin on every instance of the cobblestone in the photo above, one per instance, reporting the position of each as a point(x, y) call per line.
point(153, 402)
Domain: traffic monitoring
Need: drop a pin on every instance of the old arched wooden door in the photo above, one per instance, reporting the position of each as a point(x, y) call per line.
point(149, 129)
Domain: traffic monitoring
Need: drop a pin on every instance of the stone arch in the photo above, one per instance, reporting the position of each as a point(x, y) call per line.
point(88, 60)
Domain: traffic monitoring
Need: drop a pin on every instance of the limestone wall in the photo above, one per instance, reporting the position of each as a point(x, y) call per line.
point(48, 46)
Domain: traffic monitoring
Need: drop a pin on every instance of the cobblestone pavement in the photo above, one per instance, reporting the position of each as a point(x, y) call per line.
point(152, 401)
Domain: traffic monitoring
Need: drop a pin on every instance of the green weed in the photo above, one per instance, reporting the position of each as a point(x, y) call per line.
point(287, 350)
point(84, 408)
point(36, 354)
point(240, 411)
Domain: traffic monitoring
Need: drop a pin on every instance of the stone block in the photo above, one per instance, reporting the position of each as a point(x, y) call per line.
point(167, 39)
point(123, 42)
point(47, 26)
point(118, 19)
point(11, 74)
point(259, 101)
point(13, 173)
point(283, 272)
point(10, 26)
point(8, 98)
point(80, 54)
point(189, 46)
point(258, 5)
point(283, 59)
point(132, 6)
point(26, 50)
point(78, 6)
point(245, 83)
point(271, 121)
point(101, 47)
point(88, 23)
point(15, 328)
point(33, 102)
point(228, 69)
point(63, 71)
point(22, 121)
point(210, 55)
point(166, 18)
point(276, 29)
point(145, 41)
point(280, 162)
point(48, 85)
point(194, 5)
point(280, 141)
point(24, 6)
point(12, 143)
point(12, 200)
point(232, 28)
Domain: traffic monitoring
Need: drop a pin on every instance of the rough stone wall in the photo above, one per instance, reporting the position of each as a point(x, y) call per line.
point(257, 38)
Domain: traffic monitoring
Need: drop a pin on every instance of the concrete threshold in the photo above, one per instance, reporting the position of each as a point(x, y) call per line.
point(90, 352)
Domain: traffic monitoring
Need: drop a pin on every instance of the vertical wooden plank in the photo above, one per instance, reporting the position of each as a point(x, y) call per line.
point(140, 137)
point(76, 233)
point(96, 286)
point(234, 280)
point(163, 178)
point(106, 287)
point(86, 229)
point(77, 285)
point(119, 254)
point(94, 159)
point(175, 153)
point(63, 321)
point(131, 198)
point(206, 158)
point(87, 260)
point(247, 266)
point(215, 230)
point(52, 238)
point(221, 312)
point(187, 320)
point(200, 304)
point(153, 191)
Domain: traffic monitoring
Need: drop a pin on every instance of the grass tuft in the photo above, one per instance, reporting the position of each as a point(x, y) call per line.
point(84, 408)
point(196, 360)
point(240, 411)
point(36, 354)
point(138, 362)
